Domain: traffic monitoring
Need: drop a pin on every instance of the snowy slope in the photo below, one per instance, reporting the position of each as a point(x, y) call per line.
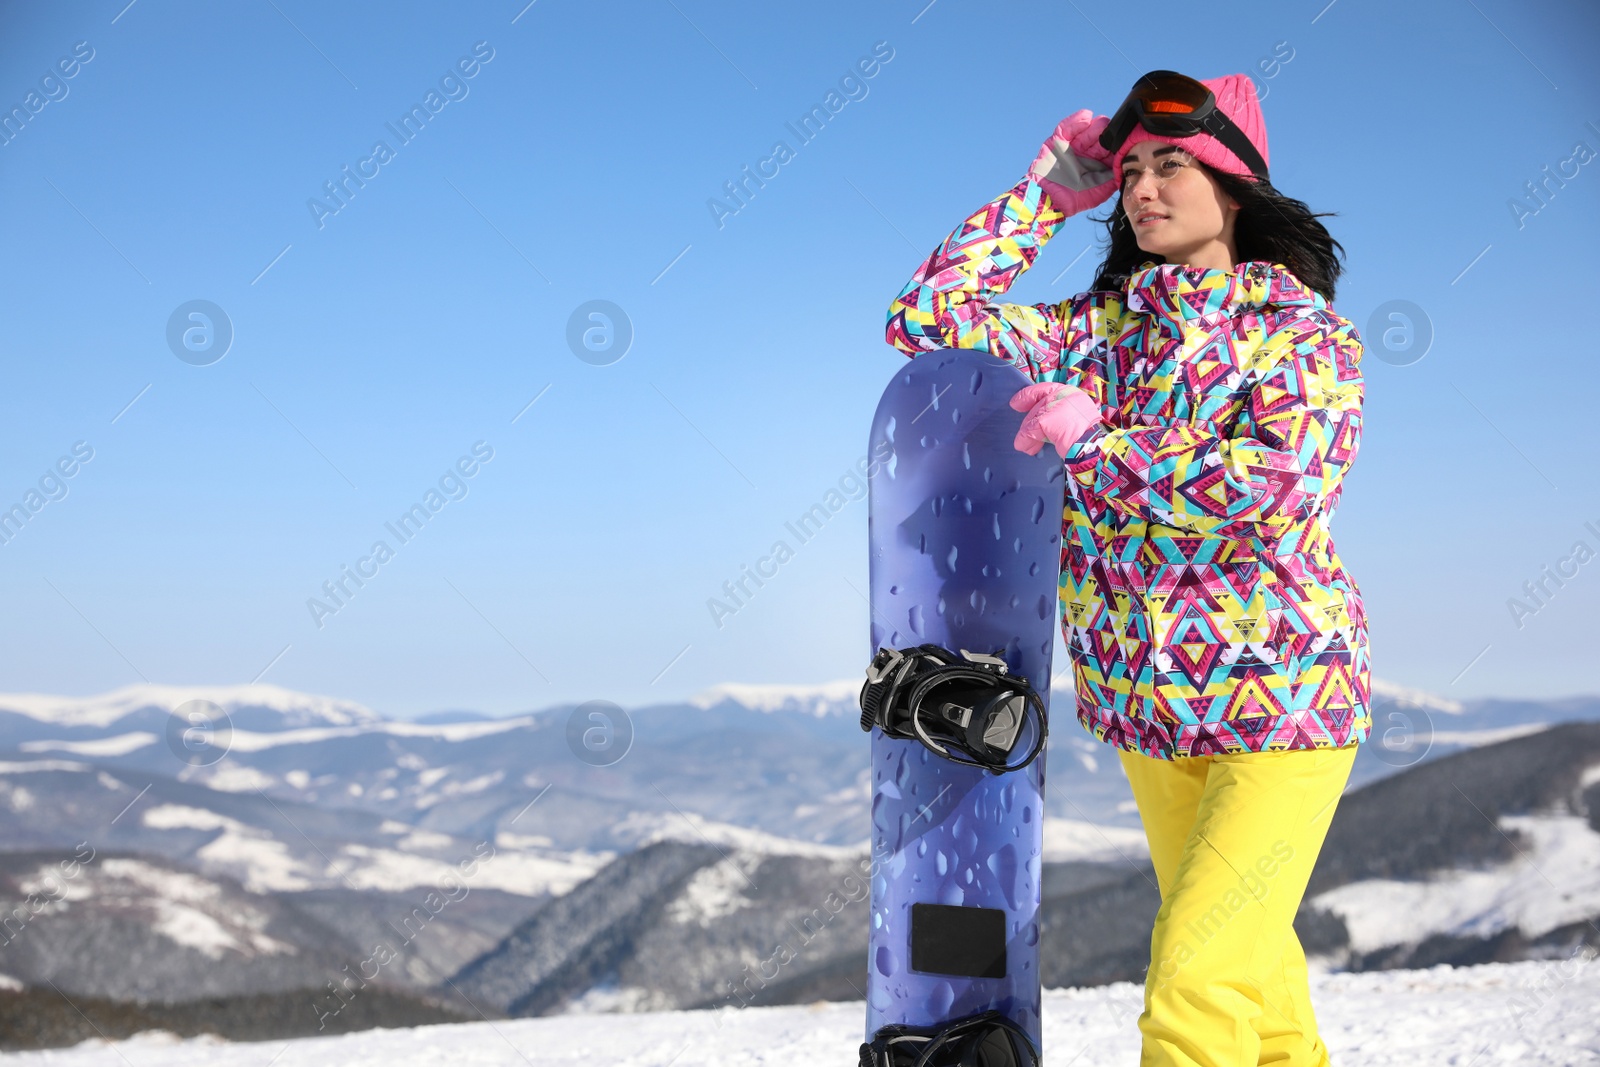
point(1537, 1013)
point(267, 845)
point(1553, 882)
point(130, 927)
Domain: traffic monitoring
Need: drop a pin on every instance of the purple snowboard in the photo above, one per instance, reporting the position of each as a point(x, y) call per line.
point(965, 536)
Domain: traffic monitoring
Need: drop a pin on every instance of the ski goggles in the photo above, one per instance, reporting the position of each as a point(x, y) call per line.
point(1170, 104)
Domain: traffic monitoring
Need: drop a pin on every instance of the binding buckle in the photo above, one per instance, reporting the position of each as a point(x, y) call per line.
point(882, 664)
point(967, 708)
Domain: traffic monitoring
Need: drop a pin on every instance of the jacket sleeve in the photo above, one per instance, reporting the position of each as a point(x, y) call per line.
point(950, 301)
point(1285, 458)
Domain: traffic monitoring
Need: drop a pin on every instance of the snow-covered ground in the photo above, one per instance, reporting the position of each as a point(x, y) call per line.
point(1524, 1013)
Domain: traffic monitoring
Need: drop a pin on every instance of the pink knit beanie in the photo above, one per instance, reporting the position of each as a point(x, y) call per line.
point(1236, 98)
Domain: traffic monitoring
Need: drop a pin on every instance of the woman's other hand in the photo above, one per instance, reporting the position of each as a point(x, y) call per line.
point(1057, 414)
point(1071, 166)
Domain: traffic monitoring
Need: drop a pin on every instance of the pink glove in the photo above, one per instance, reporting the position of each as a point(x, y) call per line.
point(1071, 165)
point(1057, 413)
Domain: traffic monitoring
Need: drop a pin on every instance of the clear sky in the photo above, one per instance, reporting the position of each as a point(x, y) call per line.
point(571, 153)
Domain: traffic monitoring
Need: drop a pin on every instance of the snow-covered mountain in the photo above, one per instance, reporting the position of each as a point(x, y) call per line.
point(250, 702)
point(136, 927)
point(829, 698)
point(1490, 853)
point(349, 819)
point(264, 843)
point(785, 761)
point(790, 774)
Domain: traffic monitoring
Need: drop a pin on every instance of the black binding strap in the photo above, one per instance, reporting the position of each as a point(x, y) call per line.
point(967, 707)
point(988, 1039)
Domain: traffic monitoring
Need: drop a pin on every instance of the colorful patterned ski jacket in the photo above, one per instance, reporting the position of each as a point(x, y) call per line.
point(1203, 603)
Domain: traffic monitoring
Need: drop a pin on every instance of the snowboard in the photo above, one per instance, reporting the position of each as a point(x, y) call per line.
point(965, 544)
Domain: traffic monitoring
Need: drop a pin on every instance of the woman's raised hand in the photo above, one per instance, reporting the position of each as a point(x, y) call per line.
point(1071, 166)
point(1057, 414)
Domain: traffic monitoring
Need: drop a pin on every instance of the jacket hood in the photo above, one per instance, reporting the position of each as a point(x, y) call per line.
point(1199, 296)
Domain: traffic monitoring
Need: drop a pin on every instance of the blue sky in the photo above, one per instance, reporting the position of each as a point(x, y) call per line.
point(374, 347)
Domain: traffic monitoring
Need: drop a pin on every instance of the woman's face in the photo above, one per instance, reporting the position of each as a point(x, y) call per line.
point(1193, 217)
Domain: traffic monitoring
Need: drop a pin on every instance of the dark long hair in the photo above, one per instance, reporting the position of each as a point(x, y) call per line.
point(1269, 226)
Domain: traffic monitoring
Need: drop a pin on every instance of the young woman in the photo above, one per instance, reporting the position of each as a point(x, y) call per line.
point(1206, 400)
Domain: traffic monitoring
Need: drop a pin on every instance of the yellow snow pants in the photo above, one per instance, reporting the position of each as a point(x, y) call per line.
point(1233, 838)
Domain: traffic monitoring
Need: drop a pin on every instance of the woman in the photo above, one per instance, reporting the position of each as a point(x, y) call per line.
point(1206, 400)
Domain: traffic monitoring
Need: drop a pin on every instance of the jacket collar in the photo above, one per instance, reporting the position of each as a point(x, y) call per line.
point(1201, 296)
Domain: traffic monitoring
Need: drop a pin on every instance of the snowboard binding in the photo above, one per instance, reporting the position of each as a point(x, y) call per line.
point(966, 708)
point(988, 1039)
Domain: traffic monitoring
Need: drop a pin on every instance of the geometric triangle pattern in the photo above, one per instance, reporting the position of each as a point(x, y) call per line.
point(1202, 600)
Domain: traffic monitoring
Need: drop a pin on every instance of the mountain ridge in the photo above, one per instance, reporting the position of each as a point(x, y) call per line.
point(834, 697)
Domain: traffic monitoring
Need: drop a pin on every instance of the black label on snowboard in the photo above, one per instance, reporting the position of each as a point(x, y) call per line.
point(968, 942)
